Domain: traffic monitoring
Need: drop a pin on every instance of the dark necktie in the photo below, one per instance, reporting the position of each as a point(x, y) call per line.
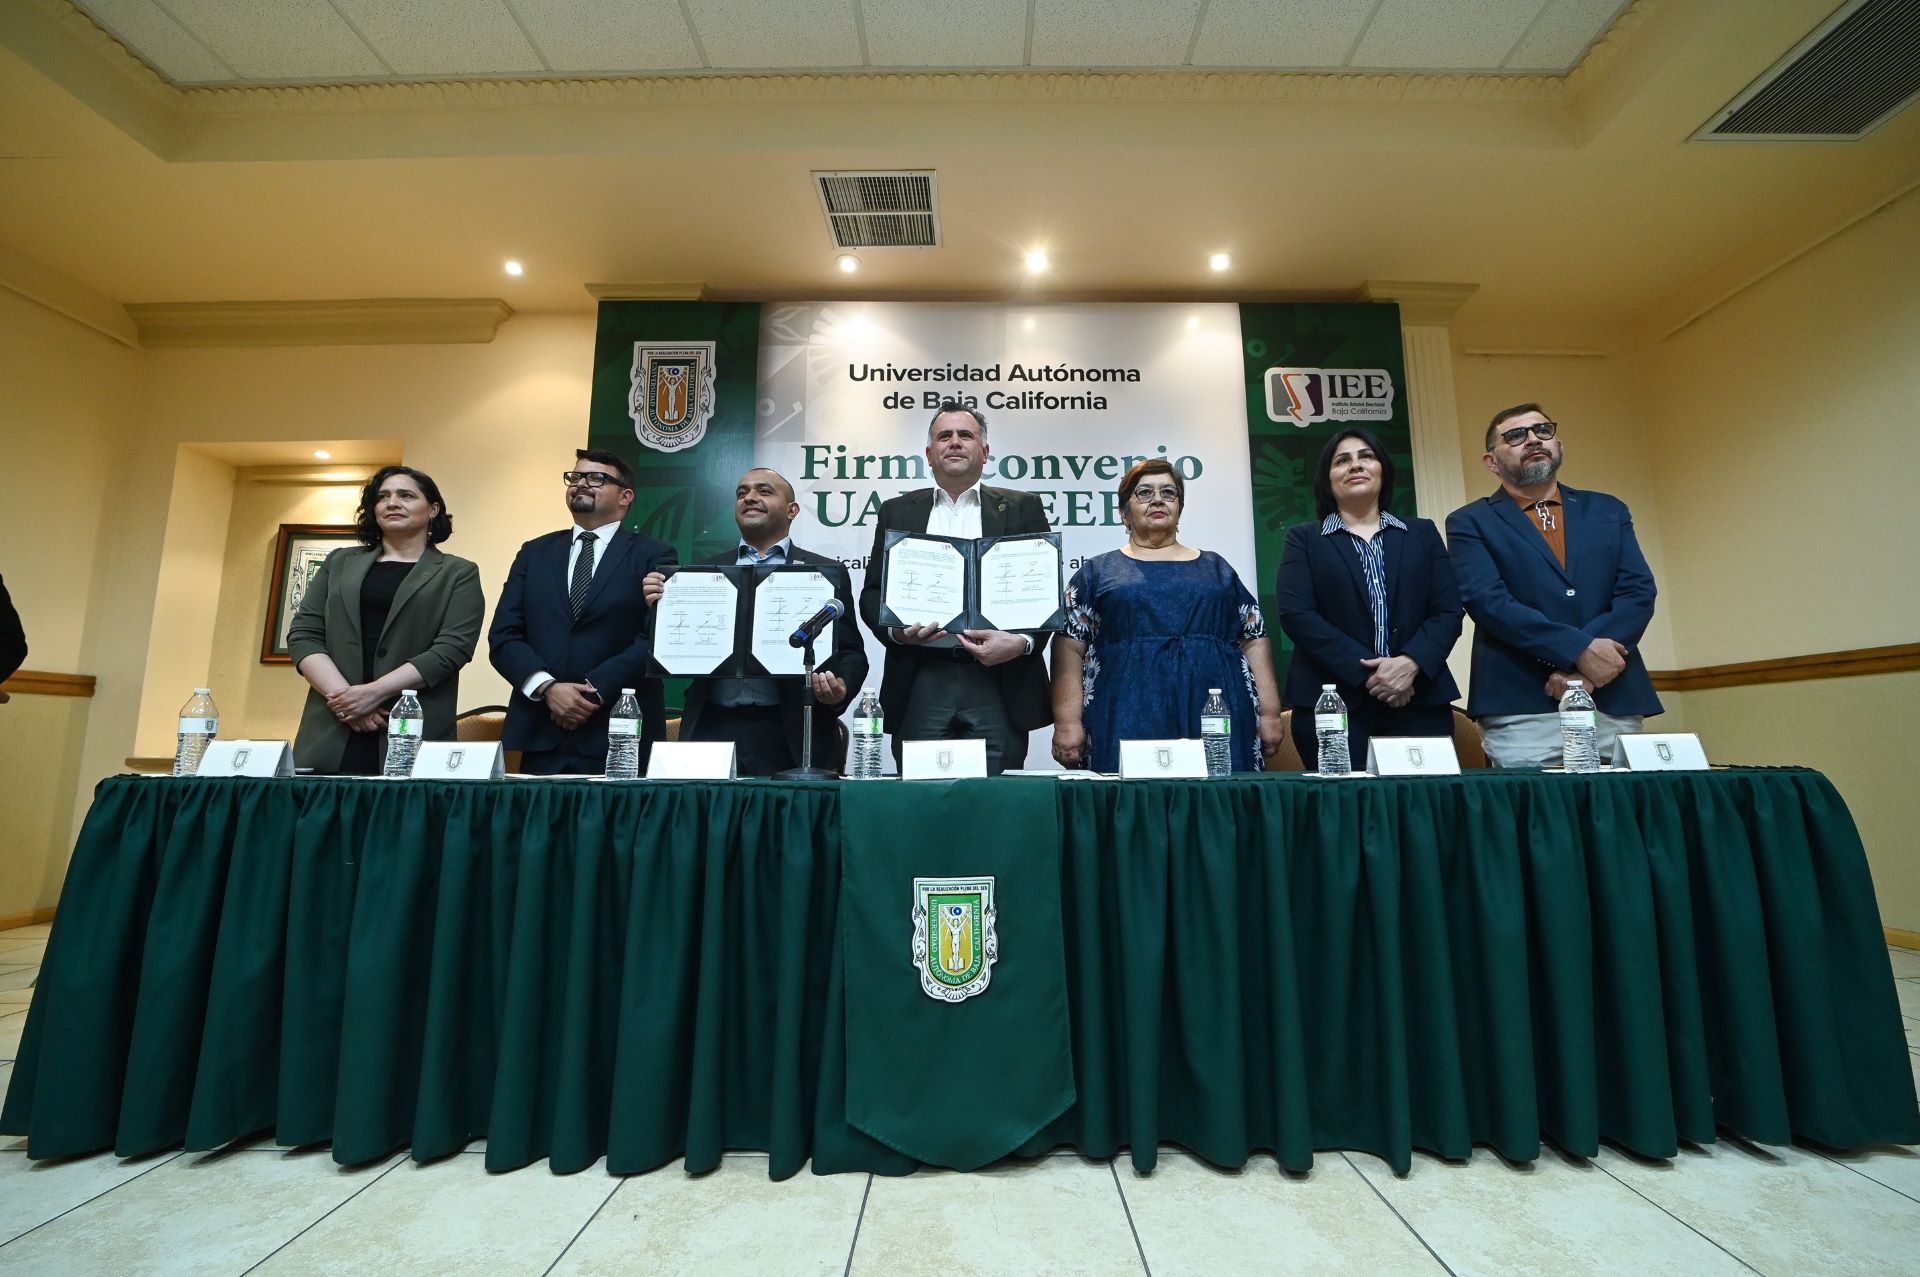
point(582, 574)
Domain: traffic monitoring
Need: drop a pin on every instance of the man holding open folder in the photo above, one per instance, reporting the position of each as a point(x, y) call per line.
point(992, 685)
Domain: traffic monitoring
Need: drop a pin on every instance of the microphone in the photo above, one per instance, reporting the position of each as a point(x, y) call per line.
point(814, 626)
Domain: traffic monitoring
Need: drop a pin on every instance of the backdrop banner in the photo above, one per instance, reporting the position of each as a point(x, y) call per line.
point(837, 396)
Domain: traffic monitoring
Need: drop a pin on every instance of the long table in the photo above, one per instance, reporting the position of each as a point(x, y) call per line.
point(660, 971)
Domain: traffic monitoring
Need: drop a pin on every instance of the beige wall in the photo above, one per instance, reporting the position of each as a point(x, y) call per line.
point(68, 394)
point(1786, 429)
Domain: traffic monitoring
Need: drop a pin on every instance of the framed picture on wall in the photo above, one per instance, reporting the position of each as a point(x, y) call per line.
point(297, 555)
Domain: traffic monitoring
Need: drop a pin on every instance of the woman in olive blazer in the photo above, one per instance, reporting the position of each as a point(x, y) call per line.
point(390, 615)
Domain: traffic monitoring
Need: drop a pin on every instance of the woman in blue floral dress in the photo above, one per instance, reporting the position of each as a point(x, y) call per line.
point(1150, 628)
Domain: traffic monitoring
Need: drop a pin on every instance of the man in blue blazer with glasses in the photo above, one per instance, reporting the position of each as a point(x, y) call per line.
point(1557, 587)
point(571, 627)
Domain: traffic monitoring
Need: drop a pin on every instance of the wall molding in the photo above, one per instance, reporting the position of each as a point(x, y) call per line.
point(1902, 939)
point(41, 683)
point(31, 918)
point(1894, 659)
point(372, 321)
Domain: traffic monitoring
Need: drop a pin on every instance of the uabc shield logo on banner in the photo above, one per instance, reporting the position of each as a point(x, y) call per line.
point(671, 399)
point(1306, 395)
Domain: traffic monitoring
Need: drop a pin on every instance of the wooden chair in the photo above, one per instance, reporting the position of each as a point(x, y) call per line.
point(1467, 744)
point(1288, 759)
point(486, 723)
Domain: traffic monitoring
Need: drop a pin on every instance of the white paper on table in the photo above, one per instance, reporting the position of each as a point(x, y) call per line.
point(1019, 584)
point(693, 622)
point(782, 602)
point(926, 582)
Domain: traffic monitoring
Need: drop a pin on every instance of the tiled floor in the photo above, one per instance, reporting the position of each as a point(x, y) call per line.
point(1731, 1209)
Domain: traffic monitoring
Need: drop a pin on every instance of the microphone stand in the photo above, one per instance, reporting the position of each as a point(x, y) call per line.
point(806, 770)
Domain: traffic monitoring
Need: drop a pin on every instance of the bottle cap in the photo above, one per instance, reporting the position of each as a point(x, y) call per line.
point(1574, 682)
point(1213, 691)
point(1326, 687)
point(203, 691)
point(626, 691)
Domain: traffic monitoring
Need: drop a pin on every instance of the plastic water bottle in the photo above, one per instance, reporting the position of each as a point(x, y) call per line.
point(863, 759)
point(199, 725)
point(1578, 750)
point(623, 737)
point(1330, 729)
point(406, 728)
point(1216, 734)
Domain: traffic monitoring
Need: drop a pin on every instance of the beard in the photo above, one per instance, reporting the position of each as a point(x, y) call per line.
point(1526, 474)
point(580, 501)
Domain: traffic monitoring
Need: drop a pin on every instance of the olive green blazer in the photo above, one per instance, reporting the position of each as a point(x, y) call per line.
point(434, 623)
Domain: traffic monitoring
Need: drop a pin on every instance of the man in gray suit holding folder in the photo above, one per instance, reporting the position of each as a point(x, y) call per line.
point(993, 685)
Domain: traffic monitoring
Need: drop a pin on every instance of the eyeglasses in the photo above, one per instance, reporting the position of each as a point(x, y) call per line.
point(1541, 429)
point(592, 478)
point(1168, 493)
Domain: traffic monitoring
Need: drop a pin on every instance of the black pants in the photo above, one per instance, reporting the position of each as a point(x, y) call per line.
point(1366, 719)
point(956, 699)
point(758, 734)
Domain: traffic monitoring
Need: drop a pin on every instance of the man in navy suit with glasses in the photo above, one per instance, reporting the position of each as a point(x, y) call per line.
point(571, 627)
point(1557, 587)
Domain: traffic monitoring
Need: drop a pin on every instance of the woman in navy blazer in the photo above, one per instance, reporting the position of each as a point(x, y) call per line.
point(1370, 604)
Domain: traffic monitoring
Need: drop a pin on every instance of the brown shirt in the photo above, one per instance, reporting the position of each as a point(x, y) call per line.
point(1549, 517)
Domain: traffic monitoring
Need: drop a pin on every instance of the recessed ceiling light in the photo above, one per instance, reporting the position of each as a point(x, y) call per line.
point(847, 263)
point(1219, 261)
point(1036, 260)
point(1026, 325)
point(515, 268)
point(321, 454)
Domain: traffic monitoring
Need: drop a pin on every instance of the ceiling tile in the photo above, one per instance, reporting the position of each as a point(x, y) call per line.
point(793, 33)
point(280, 39)
point(1112, 33)
point(147, 30)
point(1420, 34)
point(610, 36)
point(1258, 33)
point(913, 33)
point(443, 37)
point(1561, 36)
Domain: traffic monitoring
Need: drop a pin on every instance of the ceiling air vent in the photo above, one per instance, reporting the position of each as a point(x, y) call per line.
point(880, 210)
point(1852, 74)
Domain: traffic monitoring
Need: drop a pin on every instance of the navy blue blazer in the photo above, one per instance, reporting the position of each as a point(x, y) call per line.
point(1321, 593)
point(534, 629)
point(1531, 616)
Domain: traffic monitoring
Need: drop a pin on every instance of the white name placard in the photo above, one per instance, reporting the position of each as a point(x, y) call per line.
point(1412, 756)
point(459, 760)
point(942, 759)
point(1663, 752)
point(247, 758)
point(691, 760)
point(1163, 760)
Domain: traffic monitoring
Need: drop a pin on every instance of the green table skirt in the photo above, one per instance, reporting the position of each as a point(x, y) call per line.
point(654, 972)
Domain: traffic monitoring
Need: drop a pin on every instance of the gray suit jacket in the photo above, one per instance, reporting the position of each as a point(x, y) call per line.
point(434, 623)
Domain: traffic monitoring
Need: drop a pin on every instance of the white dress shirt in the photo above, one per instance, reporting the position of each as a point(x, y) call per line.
point(955, 516)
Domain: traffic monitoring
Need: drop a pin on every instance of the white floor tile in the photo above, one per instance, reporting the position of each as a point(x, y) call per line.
point(1905, 962)
point(9, 1143)
point(1057, 1215)
point(1194, 1218)
point(1896, 1166)
point(26, 949)
point(734, 1220)
point(18, 977)
point(1486, 1216)
point(31, 1193)
point(12, 1000)
point(13, 1022)
point(1909, 991)
point(34, 931)
point(1787, 1212)
point(448, 1217)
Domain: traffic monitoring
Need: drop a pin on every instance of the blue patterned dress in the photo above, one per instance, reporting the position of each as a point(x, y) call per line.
point(1159, 633)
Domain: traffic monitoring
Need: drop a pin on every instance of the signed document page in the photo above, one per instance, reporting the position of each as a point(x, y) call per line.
point(926, 581)
point(782, 602)
point(1019, 584)
point(694, 622)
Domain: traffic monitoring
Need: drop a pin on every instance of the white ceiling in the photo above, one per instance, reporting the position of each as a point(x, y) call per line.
point(212, 42)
